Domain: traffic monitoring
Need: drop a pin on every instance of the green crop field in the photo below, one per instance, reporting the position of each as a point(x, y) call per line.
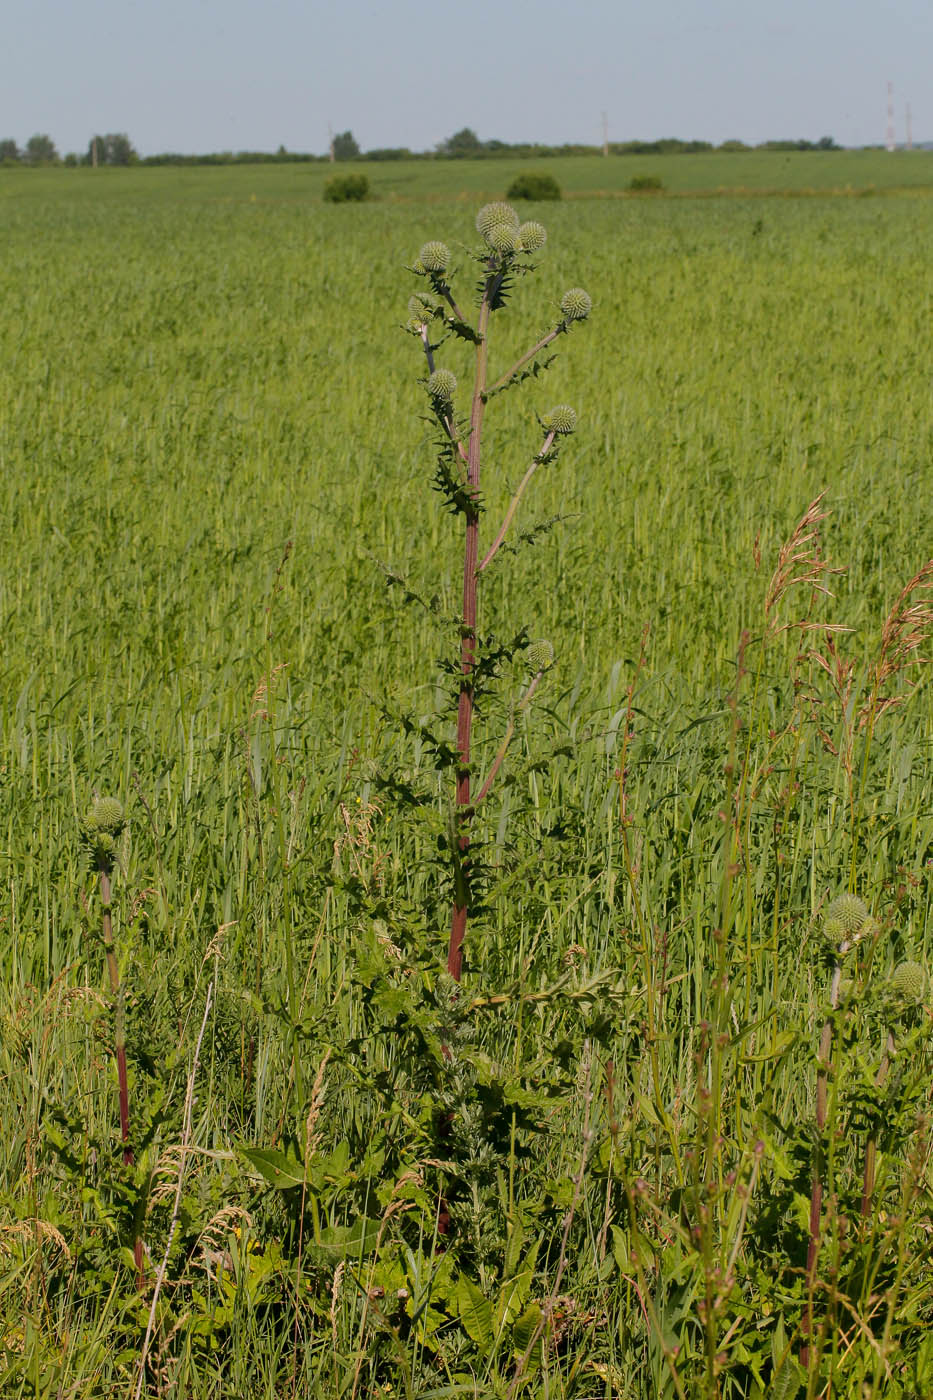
point(671, 1135)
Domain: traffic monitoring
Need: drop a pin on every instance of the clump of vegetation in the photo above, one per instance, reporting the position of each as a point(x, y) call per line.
point(346, 189)
point(534, 185)
point(646, 184)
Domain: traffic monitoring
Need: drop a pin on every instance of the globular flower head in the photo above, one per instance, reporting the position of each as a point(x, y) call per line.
point(850, 911)
point(102, 826)
point(421, 308)
point(434, 256)
point(846, 921)
point(106, 815)
point(561, 420)
point(496, 213)
point(576, 304)
point(503, 238)
point(441, 386)
point(908, 983)
point(532, 236)
point(539, 656)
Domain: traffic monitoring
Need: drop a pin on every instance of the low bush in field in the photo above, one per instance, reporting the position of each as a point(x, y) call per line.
point(646, 184)
point(534, 184)
point(346, 189)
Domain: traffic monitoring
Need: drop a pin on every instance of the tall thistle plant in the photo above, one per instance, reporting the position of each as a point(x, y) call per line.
point(508, 247)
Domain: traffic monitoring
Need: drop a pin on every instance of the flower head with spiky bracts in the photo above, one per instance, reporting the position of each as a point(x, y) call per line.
point(561, 420)
point(846, 921)
point(422, 308)
point(532, 236)
point(434, 256)
point(576, 304)
point(503, 238)
point(539, 656)
point(102, 826)
point(496, 213)
point(441, 386)
point(908, 983)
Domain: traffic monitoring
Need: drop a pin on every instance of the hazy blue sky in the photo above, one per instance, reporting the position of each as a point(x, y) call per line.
point(195, 75)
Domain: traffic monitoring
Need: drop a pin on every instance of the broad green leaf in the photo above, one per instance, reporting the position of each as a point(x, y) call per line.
point(524, 1329)
point(278, 1168)
point(475, 1311)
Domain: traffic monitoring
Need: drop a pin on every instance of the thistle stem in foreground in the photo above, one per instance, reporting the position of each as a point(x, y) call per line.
point(102, 826)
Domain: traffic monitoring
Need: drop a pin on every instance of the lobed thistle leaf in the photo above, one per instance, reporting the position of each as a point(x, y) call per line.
point(561, 420)
point(503, 238)
point(539, 656)
point(908, 982)
point(441, 386)
point(496, 213)
point(532, 236)
point(576, 304)
point(434, 256)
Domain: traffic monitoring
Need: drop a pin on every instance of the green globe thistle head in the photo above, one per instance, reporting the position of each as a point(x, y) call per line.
point(434, 256)
point(421, 308)
point(106, 816)
point(576, 304)
point(850, 912)
point(532, 236)
point(441, 386)
point(908, 983)
point(561, 420)
point(496, 213)
point(503, 238)
point(539, 656)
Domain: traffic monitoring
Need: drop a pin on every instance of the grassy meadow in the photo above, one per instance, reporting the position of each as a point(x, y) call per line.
point(230, 599)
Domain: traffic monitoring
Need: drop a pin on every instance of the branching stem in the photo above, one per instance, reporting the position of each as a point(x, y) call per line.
point(545, 340)
point(513, 504)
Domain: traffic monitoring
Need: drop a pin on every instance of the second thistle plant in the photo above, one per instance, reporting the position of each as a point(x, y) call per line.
point(503, 257)
point(102, 828)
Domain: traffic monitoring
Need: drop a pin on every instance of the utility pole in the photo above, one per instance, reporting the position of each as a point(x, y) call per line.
point(890, 140)
point(94, 153)
point(910, 134)
point(605, 134)
point(330, 142)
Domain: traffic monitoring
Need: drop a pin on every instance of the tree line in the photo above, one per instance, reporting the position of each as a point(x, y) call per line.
point(116, 148)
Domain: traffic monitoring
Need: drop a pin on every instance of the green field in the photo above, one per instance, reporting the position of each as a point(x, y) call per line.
point(229, 596)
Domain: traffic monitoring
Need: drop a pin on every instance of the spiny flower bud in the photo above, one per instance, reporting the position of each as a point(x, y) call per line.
point(908, 982)
point(496, 213)
point(503, 238)
point(561, 420)
point(849, 911)
point(434, 256)
point(576, 304)
point(539, 656)
point(106, 815)
point(441, 386)
point(533, 236)
point(421, 308)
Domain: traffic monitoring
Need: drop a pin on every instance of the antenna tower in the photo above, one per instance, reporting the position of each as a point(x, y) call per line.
point(890, 138)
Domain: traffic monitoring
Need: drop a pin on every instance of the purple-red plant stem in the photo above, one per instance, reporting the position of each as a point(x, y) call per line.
point(458, 920)
point(513, 504)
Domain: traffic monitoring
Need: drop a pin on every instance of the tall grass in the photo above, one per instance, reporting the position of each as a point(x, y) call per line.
point(189, 385)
